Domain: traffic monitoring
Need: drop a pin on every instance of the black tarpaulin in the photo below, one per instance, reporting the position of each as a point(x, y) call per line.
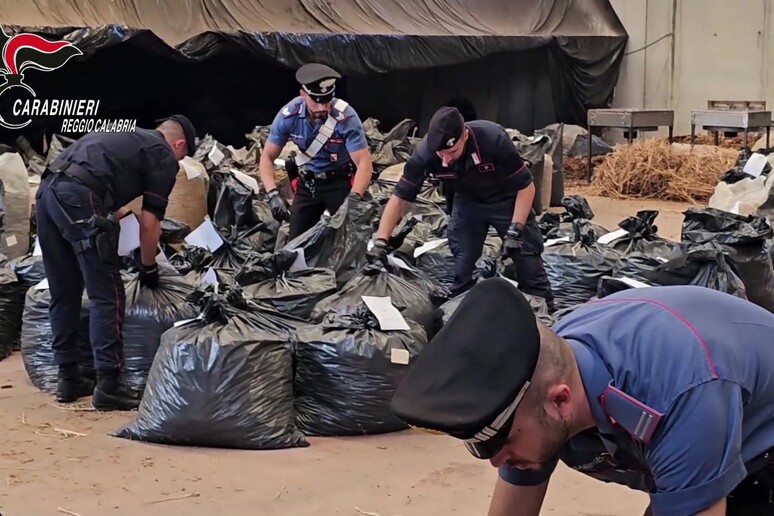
point(523, 63)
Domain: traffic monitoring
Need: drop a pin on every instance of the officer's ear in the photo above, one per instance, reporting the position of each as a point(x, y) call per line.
point(558, 401)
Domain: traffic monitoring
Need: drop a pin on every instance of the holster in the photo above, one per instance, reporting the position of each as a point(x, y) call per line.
point(291, 168)
point(104, 238)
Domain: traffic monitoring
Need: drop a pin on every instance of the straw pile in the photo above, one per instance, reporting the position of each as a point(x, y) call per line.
point(650, 169)
point(732, 142)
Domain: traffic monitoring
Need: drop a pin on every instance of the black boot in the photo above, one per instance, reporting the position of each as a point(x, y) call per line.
point(71, 385)
point(111, 395)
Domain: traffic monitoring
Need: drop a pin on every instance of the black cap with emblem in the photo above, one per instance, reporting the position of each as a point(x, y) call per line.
point(445, 129)
point(318, 81)
point(470, 378)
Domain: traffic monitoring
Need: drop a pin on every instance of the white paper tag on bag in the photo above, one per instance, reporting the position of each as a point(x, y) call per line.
point(300, 262)
point(755, 165)
point(205, 236)
point(613, 235)
point(397, 262)
point(129, 235)
point(43, 285)
point(385, 312)
point(192, 169)
point(11, 241)
point(215, 155)
point(38, 251)
point(555, 241)
point(633, 282)
point(399, 356)
point(429, 246)
point(246, 180)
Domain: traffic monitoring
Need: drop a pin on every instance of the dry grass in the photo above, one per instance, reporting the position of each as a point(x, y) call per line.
point(649, 169)
point(734, 142)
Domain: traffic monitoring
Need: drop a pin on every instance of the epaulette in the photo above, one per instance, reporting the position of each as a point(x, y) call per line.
point(634, 417)
point(339, 110)
point(293, 108)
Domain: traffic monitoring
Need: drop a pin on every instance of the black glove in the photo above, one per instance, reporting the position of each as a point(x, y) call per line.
point(279, 210)
point(378, 252)
point(355, 196)
point(149, 276)
point(513, 241)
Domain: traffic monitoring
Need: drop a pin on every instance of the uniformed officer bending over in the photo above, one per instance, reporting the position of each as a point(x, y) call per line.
point(668, 390)
point(332, 145)
point(493, 187)
point(91, 179)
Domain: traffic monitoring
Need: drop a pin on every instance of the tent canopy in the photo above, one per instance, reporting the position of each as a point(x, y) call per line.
point(574, 46)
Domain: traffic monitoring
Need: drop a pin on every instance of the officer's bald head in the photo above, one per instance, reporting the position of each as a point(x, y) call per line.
point(175, 135)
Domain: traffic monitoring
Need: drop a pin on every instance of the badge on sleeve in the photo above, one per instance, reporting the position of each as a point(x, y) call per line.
point(485, 168)
point(334, 157)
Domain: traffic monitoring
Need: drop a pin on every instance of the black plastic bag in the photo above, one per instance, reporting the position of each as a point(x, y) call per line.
point(580, 147)
point(339, 242)
point(238, 247)
point(438, 293)
point(36, 351)
point(412, 301)
point(559, 225)
point(538, 304)
point(11, 307)
point(744, 240)
point(149, 313)
point(231, 201)
point(704, 265)
point(29, 271)
point(173, 232)
point(347, 371)
point(267, 279)
point(201, 278)
point(222, 380)
point(574, 268)
point(643, 264)
point(640, 229)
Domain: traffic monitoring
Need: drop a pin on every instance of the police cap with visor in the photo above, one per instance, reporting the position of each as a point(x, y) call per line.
point(471, 377)
point(318, 81)
point(445, 129)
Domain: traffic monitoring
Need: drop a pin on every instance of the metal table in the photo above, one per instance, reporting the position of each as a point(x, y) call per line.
point(629, 120)
point(721, 120)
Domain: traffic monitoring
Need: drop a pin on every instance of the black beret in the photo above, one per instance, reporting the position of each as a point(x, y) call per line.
point(445, 129)
point(318, 80)
point(188, 131)
point(470, 378)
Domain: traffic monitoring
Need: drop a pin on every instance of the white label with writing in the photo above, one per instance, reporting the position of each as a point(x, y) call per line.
point(205, 236)
point(215, 155)
point(399, 356)
point(246, 180)
point(11, 241)
point(385, 312)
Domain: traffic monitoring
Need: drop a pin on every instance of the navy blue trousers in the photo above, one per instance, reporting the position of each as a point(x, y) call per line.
point(68, 270)
point(308, 207)
point(468, 228)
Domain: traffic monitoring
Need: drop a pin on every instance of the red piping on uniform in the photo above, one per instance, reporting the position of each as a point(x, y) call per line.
point(680, 317)
point(115, 291)
point(403, 178)
point(156, 195)
point(523, 166)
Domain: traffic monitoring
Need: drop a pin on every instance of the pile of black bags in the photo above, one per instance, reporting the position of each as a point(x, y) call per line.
point(223, 379)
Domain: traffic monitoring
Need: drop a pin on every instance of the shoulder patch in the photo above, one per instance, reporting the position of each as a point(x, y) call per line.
point(292, 108)
point(341, 110)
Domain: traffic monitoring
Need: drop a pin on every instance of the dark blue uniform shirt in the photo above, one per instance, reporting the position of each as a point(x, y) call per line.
point(490, 169)
point(703, 359)
point(292, 123)
point(130, 165)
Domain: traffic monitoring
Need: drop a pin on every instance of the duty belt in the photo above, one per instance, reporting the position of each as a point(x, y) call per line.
point(86, 178)
point(326, 175)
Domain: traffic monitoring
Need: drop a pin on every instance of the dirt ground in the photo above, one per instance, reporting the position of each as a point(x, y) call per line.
point(44, 470)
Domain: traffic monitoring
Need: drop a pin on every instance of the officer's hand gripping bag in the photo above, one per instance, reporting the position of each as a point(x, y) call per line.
point(149, 313)
point(574, 268)
point(339, 242)
point(268, 279)
point(412, 301)
point(224, 379)
point(744, 239)
point(36, 351)
point(347, 370)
